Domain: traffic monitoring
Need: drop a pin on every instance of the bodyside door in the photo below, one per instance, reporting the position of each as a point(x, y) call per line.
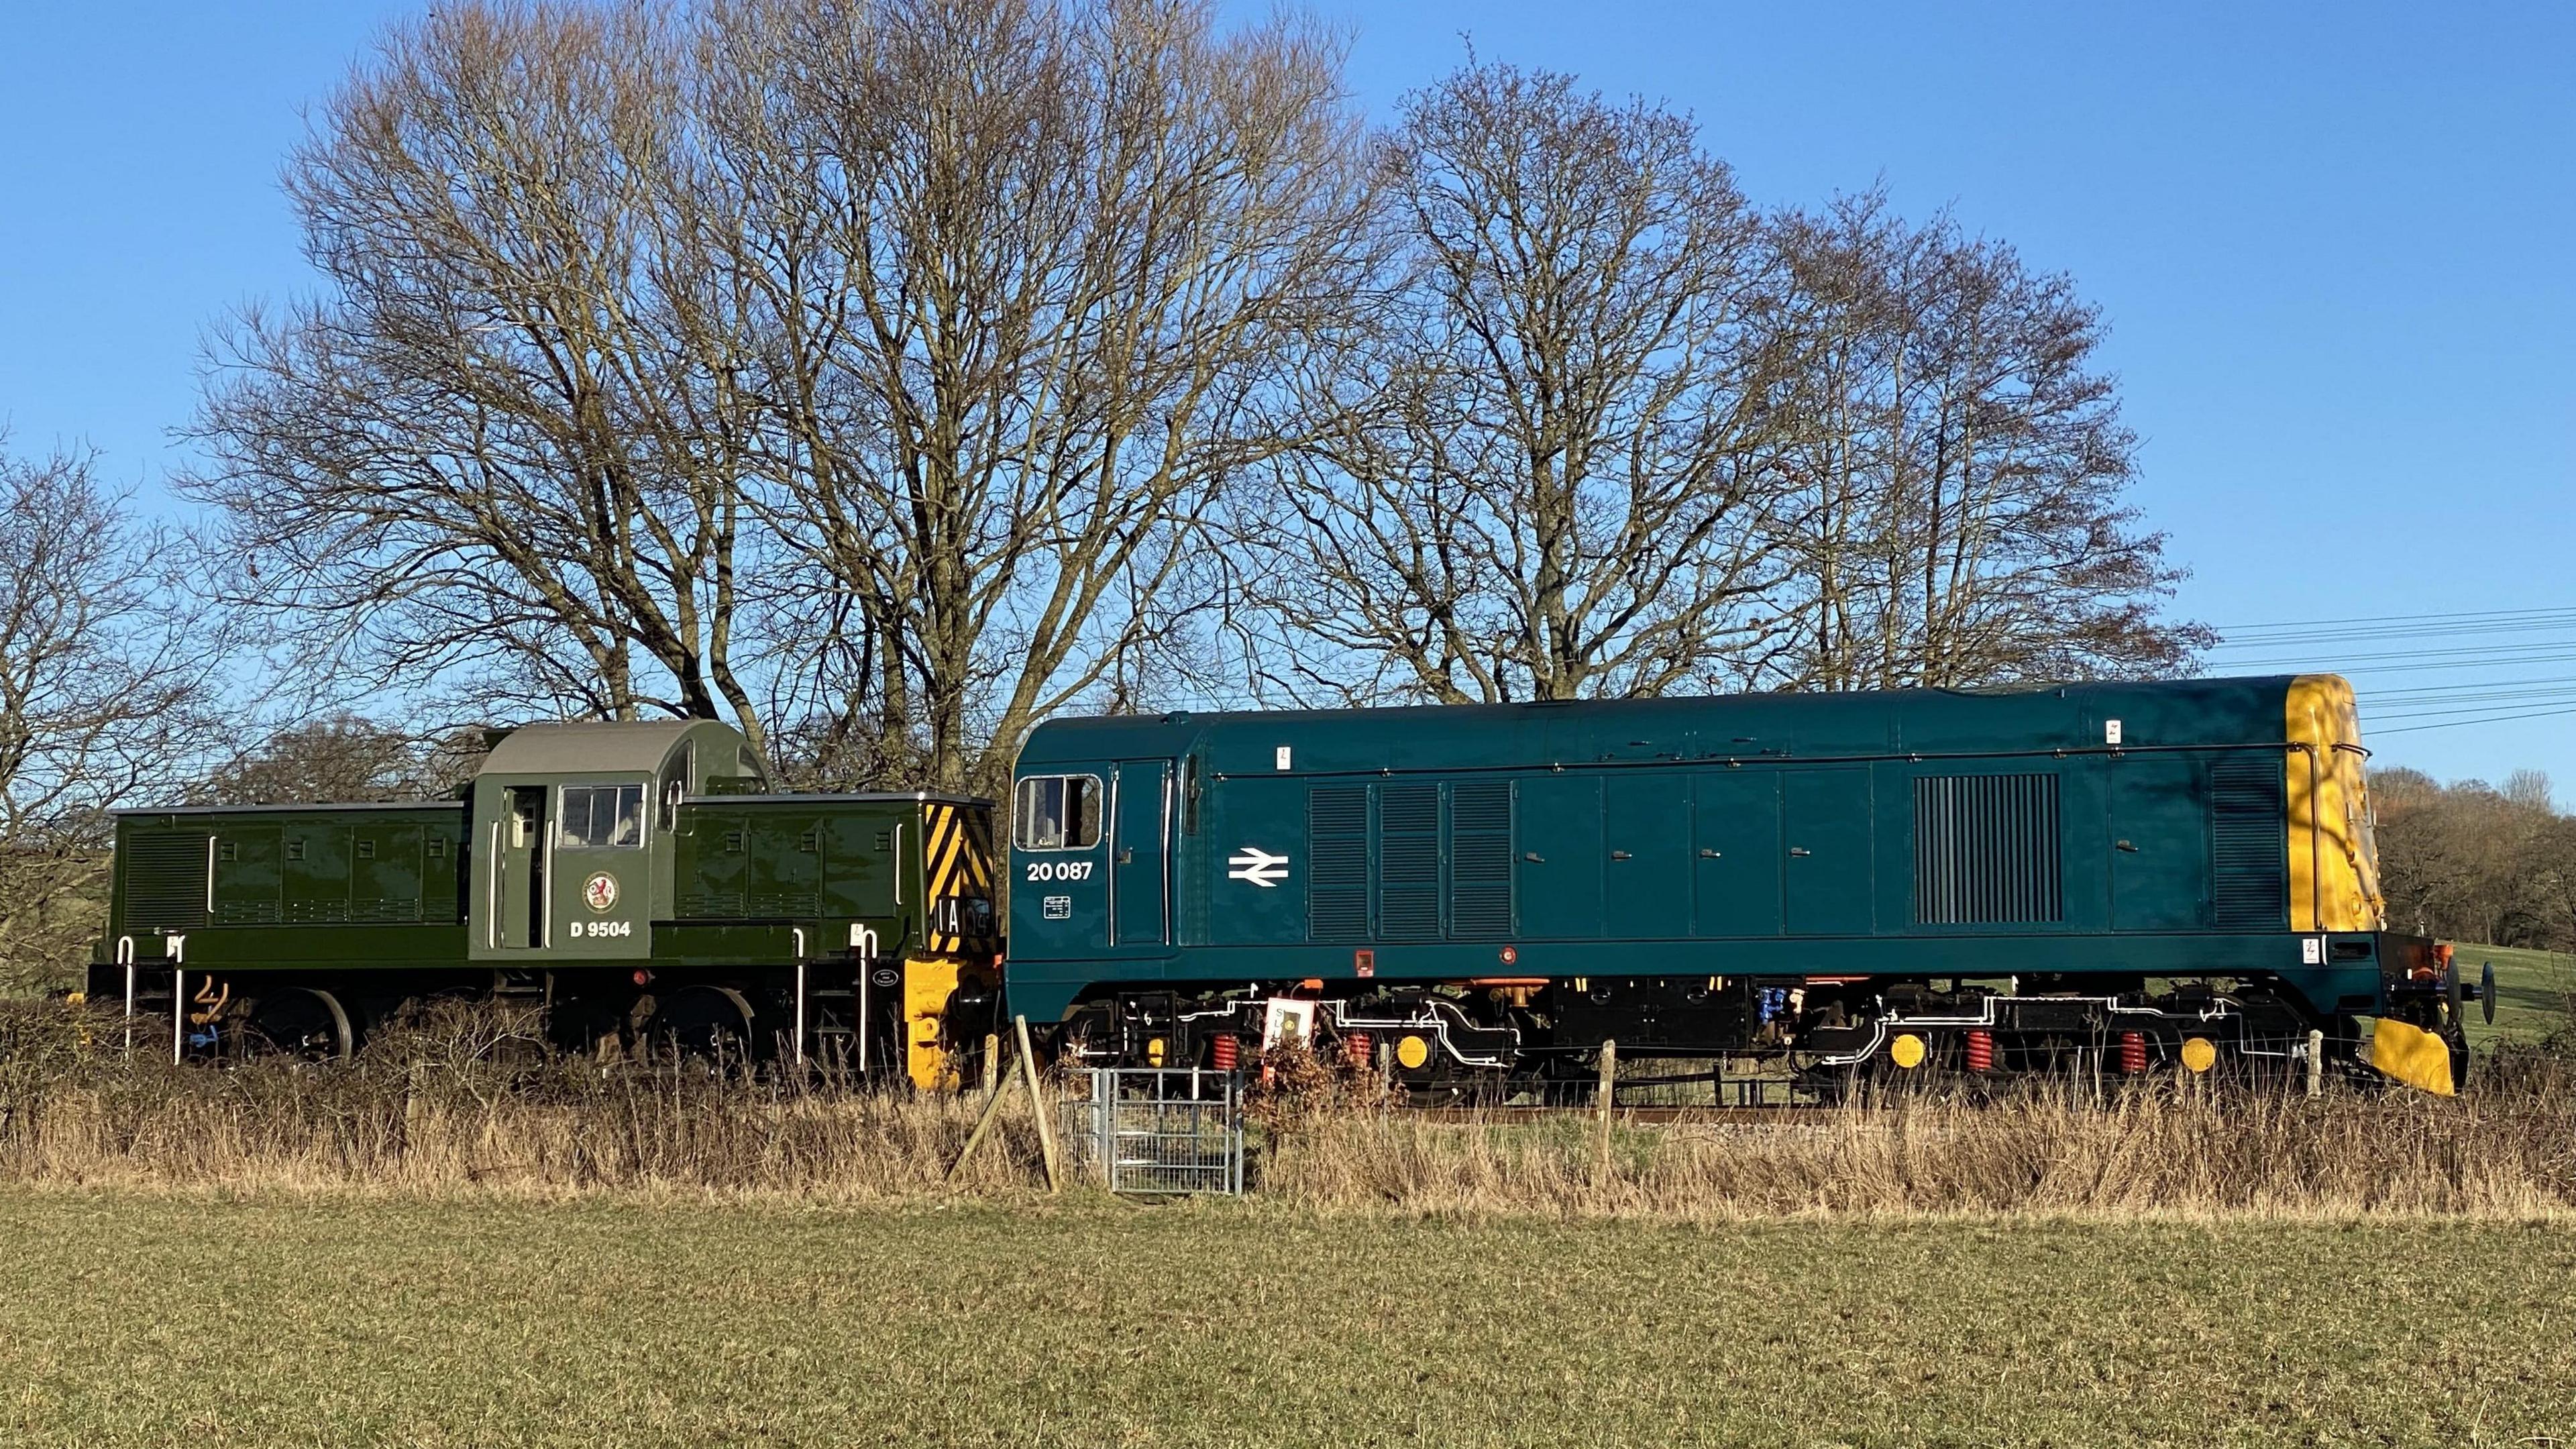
point(1827, 865)
point(1557, 850)
point(1646, 872)
point(1737, 852)
point(2159, 843)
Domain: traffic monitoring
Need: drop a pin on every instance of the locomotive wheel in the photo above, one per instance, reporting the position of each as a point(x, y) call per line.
point(300, 1022)
point(702, 1024)
point(587, 1026)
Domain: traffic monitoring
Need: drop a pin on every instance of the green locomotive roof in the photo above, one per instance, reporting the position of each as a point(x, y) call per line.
point(581, 747)
point(863, 797)
point(1749, 727)
point(451, 803)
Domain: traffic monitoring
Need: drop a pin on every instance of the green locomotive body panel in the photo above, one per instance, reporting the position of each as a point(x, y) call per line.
point(2110, 829)
point(317, 887)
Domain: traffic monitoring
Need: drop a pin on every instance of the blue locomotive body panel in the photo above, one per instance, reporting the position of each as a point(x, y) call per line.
point(2118, 830)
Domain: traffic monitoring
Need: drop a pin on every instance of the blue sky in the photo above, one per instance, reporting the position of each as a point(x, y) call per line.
point(2336, 247)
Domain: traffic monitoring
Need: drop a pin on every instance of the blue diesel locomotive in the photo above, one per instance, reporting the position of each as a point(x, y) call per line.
point(2155, 873)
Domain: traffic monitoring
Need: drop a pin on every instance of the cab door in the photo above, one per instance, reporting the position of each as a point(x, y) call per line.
point(1060, 871)
point(518, 865)
point(1140, 875)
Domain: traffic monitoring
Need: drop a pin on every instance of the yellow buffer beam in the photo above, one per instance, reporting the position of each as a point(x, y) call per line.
point(2412, 1055)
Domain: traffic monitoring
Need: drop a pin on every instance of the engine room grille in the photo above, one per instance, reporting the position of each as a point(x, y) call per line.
point(166, 880)
point(1480, 860)
point(2248, 835)
point(1408, 847)
point(1337, 893)
point(1986, 850)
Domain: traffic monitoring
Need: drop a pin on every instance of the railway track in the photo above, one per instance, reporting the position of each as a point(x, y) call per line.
point(1714, 1116)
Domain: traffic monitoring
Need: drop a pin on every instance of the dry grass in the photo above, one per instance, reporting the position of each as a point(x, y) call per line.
point(461, 1099)
point(2151, 1153)
point(460, 1103)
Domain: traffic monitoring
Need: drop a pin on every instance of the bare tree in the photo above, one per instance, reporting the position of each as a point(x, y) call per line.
point(2530, 790)
point(102, 697)
point(498, 449)
point(2469, 862)
point(864, 367)
point(1544, 472)
point(347, 759)
point(1020, 278)
point(1963, 467)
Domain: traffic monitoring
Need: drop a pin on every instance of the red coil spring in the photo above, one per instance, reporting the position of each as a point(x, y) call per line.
point(1360, 1050)
point(2133, 1052)
point(1981, 1051)
point(1224, 1050)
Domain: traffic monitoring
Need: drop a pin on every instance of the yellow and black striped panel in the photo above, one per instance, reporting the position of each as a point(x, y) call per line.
point(958, 863)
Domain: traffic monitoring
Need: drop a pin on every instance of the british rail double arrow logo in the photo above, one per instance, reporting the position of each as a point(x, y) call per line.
point(1257, 866)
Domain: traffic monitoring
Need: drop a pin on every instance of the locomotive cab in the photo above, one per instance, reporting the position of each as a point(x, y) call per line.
point(1091, 854)
point(573, 830)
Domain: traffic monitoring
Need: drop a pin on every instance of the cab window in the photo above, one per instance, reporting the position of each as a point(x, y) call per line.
point(1057, 812)
point(598, 816)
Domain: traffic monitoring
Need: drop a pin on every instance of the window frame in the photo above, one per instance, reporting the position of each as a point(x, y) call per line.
point(1020, 787)
point(643, 815)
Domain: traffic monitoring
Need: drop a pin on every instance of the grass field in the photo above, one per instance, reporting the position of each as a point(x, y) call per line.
point(2534, 990)
point(149, 1319)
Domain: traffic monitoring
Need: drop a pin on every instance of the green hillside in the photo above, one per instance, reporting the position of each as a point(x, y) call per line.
point(2533, 992)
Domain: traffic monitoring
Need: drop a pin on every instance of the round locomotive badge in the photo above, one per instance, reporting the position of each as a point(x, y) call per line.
point(600, 891)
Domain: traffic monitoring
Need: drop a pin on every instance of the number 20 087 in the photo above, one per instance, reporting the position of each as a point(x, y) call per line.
point(1059, 870)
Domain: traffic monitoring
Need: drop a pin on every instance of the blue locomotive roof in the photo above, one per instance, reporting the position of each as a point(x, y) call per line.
point(1742, 726)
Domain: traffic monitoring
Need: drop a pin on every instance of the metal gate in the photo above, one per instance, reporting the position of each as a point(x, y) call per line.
point(1145, 1130)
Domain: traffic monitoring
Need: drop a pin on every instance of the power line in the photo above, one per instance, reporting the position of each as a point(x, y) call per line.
point(2409, 656)
point(2342, 634)
point(2432, 712)
point(2455, 723)
point(2393, 621)
point(2391, 696)
point(2551, 652)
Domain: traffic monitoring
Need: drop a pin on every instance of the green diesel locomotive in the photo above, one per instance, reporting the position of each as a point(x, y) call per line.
point(639, 880)
point(2134, 875)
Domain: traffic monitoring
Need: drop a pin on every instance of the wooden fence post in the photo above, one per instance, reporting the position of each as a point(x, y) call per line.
point(1608, 1091)
point(997, 1088)
point(1038, 1103)
point(992, 1060)
point(2316, 1062)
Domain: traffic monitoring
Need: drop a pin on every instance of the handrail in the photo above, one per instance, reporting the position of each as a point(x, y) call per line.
point(492, 891)
point(863, 944)
point(799, 933)
point(178, 949)
point(125, 958)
